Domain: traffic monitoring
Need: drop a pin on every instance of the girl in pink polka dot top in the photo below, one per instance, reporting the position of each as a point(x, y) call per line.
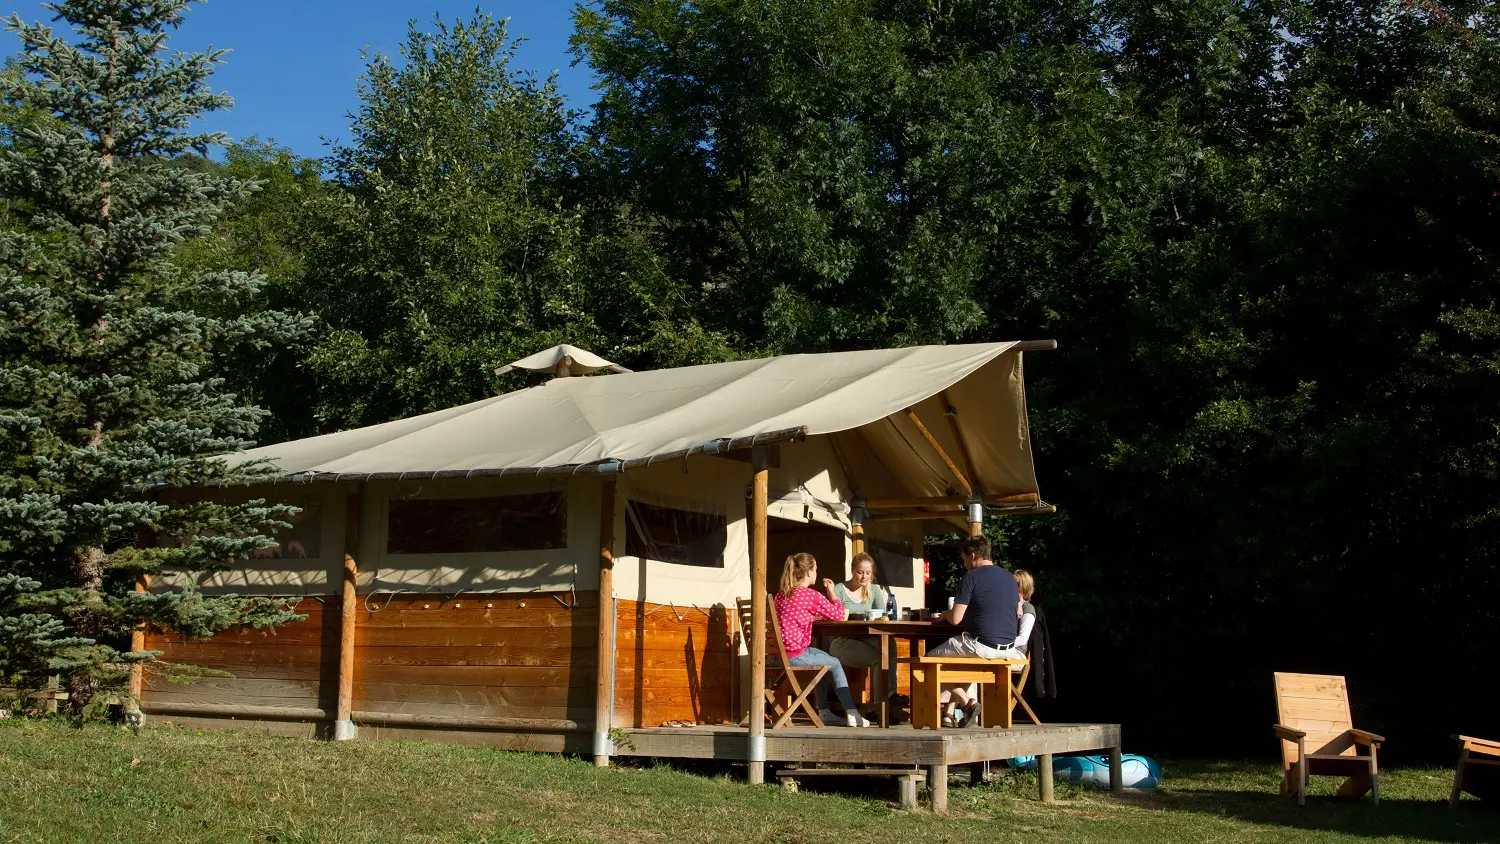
point(797, 606)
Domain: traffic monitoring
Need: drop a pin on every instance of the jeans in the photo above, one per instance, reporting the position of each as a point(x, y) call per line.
point(835, 676)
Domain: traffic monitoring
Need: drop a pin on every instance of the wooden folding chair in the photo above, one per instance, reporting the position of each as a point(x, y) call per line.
point(784, 692)
point(1018, 685)
point(1479, 776)
point(1318, 737)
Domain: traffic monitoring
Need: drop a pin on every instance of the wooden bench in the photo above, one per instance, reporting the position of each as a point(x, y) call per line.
point(910, 778)
point(930, 673)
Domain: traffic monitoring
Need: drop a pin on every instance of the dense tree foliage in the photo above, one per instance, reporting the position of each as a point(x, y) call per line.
point(1264, 234)
point(108, 346)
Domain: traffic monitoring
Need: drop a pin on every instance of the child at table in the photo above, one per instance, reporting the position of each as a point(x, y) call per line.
point(797, 606)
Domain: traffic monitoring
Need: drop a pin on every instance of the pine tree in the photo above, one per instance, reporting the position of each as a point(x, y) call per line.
point(107, 349)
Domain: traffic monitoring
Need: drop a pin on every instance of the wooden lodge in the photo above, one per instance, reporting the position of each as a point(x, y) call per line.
point(555, 569)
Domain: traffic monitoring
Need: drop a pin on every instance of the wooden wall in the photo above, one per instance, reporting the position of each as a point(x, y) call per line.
point(489, 656)
point(671, 664)
point(294, 666)
point(485, 656)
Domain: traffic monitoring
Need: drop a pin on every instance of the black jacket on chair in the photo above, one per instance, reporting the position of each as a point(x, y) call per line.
point(1043, 659)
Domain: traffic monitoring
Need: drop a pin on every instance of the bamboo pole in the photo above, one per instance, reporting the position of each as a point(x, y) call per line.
point(963, 445)
point(958, 474)
point(948, 501)
point(759, 492)
point(343, 725)
point(604, 692)
point(857, 534)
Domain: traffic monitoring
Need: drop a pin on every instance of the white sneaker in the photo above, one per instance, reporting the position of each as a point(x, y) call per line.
point(855, 719)
point(829, 717)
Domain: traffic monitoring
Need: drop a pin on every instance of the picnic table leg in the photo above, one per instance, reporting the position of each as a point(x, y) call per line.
point(937, 787)
point(878, 681)
point(1044, 777)
point(1116, 776)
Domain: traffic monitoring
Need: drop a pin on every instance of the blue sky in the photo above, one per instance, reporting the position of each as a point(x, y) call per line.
point(295, 64)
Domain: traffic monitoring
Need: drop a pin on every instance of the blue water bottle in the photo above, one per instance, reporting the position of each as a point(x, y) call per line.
point(890, 605)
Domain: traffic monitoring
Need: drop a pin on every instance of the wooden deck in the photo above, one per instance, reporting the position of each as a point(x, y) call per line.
point(935, 750)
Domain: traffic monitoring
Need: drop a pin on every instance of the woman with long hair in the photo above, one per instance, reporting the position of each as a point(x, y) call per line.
point(797, 606)
point(861, 594)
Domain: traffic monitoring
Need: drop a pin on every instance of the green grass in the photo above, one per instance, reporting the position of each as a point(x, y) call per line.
point(103, 784)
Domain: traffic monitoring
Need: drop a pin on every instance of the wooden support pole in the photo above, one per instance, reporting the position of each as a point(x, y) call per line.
point(137, 670)
point(1116, 774)
point(937, 787)
point(343, 725)
point(963, 446)
point(760, 490)
point(1044, 777)
point(146, 538)
point(604, 692)
point(958, 474)
point(948, 501)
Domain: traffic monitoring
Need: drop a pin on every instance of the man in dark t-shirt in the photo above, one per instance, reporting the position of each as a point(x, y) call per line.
point(987, 608)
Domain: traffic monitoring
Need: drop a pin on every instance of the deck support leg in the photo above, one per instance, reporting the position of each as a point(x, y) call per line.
point(908, 792)
point(1116, 775)
point(1044, 777)
point(937, 787)
point(976, 773)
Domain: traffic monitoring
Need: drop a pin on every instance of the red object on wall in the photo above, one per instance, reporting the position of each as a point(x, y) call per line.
point(926, 571)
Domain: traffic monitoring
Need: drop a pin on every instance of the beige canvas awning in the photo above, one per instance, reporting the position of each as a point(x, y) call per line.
point(615, 422)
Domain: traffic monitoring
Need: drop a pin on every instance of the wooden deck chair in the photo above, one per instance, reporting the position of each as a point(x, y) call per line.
point(1318, 737)
point(784, 691)
point(1478, 770)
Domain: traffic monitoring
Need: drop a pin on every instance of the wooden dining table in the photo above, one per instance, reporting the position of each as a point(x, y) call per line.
point(883, 631)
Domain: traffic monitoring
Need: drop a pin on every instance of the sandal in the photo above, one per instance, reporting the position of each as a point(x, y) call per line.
point(971, 714)
point(948, 721)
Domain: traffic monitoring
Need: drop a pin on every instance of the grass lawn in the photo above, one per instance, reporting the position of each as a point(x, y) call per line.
point(169, 785)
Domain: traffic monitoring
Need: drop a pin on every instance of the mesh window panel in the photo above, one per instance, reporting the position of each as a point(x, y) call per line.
point(893, 563)
point(676, 536)
point(536, 522)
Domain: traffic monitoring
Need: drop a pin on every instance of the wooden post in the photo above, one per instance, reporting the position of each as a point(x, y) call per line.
point(857, 528)
point(137, 671)
point(963, 446)
point(760, 490)
point(1044, 777)
point(1116, 775)
point(958, 474)
point(937, 787)
point(604, 666)
point(343, 725)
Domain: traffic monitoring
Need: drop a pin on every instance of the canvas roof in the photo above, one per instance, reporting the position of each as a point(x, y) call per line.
point(618, 421)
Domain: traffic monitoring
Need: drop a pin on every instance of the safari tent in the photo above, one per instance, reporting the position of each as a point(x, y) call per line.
point(534, 569)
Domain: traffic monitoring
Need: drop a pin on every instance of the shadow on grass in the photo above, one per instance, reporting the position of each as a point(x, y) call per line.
point(1413, 804)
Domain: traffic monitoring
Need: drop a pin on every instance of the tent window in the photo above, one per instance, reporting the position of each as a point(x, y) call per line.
point(893, 563)
point(303, 540)
point(676, 536)
point(536, 522)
